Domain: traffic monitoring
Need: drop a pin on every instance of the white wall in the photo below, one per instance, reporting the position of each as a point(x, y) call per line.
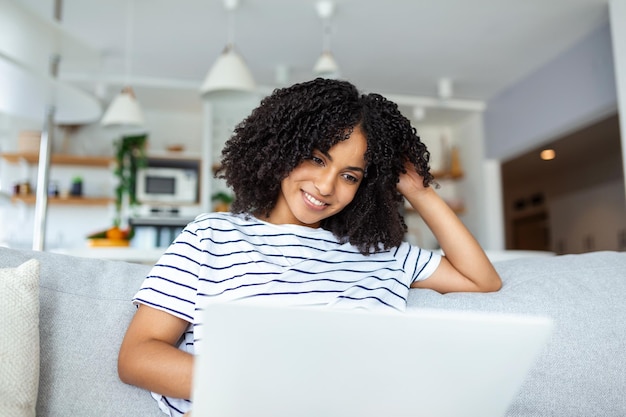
point(438, 140)
point(163, 128)
point(480, 188)
point(482, 215)
point(222, 114)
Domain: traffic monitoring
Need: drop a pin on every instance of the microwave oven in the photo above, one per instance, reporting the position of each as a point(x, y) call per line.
point(171, 185)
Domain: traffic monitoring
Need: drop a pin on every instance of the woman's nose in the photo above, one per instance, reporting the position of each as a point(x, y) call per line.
point(325, 183)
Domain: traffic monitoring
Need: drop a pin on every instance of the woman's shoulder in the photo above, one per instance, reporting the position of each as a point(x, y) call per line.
point(219, 216)
point(406, 250)
point(220, 221)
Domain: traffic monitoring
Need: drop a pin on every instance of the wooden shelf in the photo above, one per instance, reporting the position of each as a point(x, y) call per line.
point(457, 208)
point(444, 175)
point(59, 159)
point(71, 200)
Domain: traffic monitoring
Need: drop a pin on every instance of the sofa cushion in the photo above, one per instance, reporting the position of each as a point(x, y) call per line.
point(19, 343)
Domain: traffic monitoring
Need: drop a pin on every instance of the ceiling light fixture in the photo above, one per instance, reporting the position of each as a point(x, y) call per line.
point(229, 71)
point(326, 66)
point(125, 109)
point(548, 154)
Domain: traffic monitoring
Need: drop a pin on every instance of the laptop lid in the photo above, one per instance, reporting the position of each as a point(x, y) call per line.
point(299, 362)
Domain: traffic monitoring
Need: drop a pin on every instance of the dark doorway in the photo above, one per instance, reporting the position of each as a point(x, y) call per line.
point(532, 232)
point(587, 159)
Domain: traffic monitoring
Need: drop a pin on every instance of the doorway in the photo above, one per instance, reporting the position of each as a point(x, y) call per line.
point(532, 232)
point(587, 159)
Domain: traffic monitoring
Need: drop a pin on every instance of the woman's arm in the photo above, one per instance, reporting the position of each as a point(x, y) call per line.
point(149, 358)
point(465, 266)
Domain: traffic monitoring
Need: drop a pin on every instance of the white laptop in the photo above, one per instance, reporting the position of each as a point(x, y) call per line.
point(258, 361)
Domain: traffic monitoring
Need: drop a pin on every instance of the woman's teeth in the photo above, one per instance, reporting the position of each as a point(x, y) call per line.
point(314, 200)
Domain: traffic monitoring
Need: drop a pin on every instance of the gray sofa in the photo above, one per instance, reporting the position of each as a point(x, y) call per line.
point(85, 308)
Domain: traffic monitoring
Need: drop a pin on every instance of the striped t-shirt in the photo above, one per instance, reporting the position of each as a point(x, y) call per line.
point(224, 257)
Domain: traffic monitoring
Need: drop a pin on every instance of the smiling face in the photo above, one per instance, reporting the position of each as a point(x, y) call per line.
point(323, 184)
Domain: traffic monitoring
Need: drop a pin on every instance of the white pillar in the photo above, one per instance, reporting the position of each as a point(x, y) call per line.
point(494, 211)
point(43, 174)
point(206, 176)
point(617, 14)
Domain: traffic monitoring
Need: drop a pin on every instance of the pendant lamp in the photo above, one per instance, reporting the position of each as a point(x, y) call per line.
point(125, 109)
point(230, 72)
point(326, 66)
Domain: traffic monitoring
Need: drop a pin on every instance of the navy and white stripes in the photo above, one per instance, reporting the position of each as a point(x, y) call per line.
point(223, 257)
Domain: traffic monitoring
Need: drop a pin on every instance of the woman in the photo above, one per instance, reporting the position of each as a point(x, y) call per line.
point(319, 172)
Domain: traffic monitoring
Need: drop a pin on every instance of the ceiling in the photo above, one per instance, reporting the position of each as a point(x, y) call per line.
point(394, 47)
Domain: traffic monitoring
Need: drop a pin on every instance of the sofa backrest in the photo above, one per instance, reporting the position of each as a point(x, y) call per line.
point(85, 308)
point(582, 370)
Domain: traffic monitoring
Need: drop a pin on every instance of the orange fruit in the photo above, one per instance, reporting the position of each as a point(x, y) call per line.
point(115, 233)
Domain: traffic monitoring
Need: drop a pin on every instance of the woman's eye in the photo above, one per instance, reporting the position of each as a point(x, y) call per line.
point(316, 160)
point(351, 178)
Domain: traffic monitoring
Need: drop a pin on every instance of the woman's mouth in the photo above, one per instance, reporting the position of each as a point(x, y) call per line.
point(314, 201)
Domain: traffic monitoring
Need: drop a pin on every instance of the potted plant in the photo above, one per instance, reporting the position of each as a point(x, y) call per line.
point(130, 155)
point(76, 188)
point(222, 200)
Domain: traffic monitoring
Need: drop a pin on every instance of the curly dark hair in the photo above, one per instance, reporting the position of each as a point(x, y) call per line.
point(292, 122)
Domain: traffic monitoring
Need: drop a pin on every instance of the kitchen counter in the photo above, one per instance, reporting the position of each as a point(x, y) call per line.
point(134, 255)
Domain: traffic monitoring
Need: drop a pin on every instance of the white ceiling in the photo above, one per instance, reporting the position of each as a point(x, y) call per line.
point(399, 47)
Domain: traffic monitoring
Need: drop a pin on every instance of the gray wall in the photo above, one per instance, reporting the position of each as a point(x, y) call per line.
point(569, 92)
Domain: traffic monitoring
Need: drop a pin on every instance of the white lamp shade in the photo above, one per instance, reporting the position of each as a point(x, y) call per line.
point(124, 110)
point(326, 65)
point(228, 73)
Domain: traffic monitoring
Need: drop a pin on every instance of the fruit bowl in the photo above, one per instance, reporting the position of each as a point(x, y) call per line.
point(105, 242)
